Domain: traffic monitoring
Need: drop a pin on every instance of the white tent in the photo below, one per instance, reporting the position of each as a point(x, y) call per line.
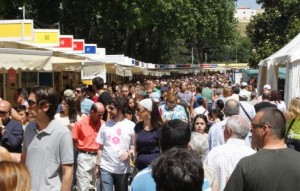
point(288, 56)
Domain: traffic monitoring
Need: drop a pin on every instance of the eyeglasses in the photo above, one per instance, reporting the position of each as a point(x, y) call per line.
point(78, 91)
point(31, 102)
point(3, 113)
point(256, 125)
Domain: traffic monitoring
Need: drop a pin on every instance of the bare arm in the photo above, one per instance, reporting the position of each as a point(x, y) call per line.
point(23, 157)
point(5, 155)
point(133, 151)
point(99, 154)
point(67, 176)
point(15, 115)
point(192, 105)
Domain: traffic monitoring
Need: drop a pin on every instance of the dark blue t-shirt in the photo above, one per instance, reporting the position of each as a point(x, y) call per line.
point(146, 145)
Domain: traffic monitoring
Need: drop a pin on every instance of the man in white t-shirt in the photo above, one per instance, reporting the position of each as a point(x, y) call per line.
point(116, 146)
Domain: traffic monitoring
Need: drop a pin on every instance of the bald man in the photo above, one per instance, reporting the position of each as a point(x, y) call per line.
point(84, 134)
point(11, 131)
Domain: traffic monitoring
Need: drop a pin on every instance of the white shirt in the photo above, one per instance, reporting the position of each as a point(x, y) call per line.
point(200, 110)
point(245, 92)
point(281, 106)
point(116, 138)
point(224, 158)
point(216, 134)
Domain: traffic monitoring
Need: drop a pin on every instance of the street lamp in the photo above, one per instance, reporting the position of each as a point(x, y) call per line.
point(22, 9)
point(23, 30)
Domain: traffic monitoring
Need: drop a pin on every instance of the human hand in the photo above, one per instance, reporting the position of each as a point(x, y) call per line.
point(97, 171)
point(124, 156)
point(131, 152)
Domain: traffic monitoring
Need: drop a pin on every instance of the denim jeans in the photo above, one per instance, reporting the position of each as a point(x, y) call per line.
point(108, 180)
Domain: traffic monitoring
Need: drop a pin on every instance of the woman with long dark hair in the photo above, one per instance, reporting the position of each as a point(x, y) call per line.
point(147, 133)
point(68, 115)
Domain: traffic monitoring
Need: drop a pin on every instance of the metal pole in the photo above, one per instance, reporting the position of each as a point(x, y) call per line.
point(22, 22)
point(23, 12)
point(236, 41)
point(236, 49)
point(192, 55)
point(4, 84)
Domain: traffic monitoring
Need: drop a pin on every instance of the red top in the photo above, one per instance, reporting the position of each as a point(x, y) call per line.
point(85, 133)
point(95, 99)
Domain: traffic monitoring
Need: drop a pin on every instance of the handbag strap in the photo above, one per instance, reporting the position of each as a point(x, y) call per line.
point(290, 126)
point(246, 112)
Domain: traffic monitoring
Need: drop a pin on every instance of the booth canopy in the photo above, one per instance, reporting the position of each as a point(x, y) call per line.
point(25, 59)
point(287, 56)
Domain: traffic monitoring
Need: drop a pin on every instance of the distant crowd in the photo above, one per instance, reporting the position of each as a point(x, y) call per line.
point(191, 133)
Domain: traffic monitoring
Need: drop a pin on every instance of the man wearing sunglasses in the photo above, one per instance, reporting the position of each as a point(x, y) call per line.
point(47, 146)
point(11, 131)
point(85, 103)
point(274, 167)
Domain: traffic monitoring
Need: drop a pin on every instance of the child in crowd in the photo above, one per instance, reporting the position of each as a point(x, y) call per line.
point(200, 124)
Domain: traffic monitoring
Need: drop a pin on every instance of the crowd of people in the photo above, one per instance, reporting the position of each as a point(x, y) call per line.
point(189, 133)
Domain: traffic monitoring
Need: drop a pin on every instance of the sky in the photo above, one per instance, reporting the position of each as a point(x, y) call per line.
point(248, 3)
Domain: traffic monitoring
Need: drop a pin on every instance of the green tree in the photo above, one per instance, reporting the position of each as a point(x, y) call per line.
point(156, 31)
point(274, 28)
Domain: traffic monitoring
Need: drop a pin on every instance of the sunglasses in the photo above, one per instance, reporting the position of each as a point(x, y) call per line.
point(31, 103)
point(256, 125)
point(78, 91)
point(3, 113)
point(171, 103)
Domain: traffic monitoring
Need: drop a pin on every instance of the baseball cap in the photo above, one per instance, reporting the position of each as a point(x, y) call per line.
point(267, 87)
point(243, 84)
point(146, 103)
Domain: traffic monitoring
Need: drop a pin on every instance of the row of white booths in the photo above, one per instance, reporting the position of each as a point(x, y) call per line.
point(23, 65)
point(288, 57)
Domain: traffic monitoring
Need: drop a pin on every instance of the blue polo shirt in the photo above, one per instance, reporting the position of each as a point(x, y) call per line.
point(144, 181)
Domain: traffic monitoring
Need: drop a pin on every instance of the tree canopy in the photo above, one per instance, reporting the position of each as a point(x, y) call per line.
point(274, 28)
point(156, 31)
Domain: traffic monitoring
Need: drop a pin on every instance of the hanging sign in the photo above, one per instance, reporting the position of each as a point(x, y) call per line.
point(46, 37)
point(90, 48)
point(78, 45)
